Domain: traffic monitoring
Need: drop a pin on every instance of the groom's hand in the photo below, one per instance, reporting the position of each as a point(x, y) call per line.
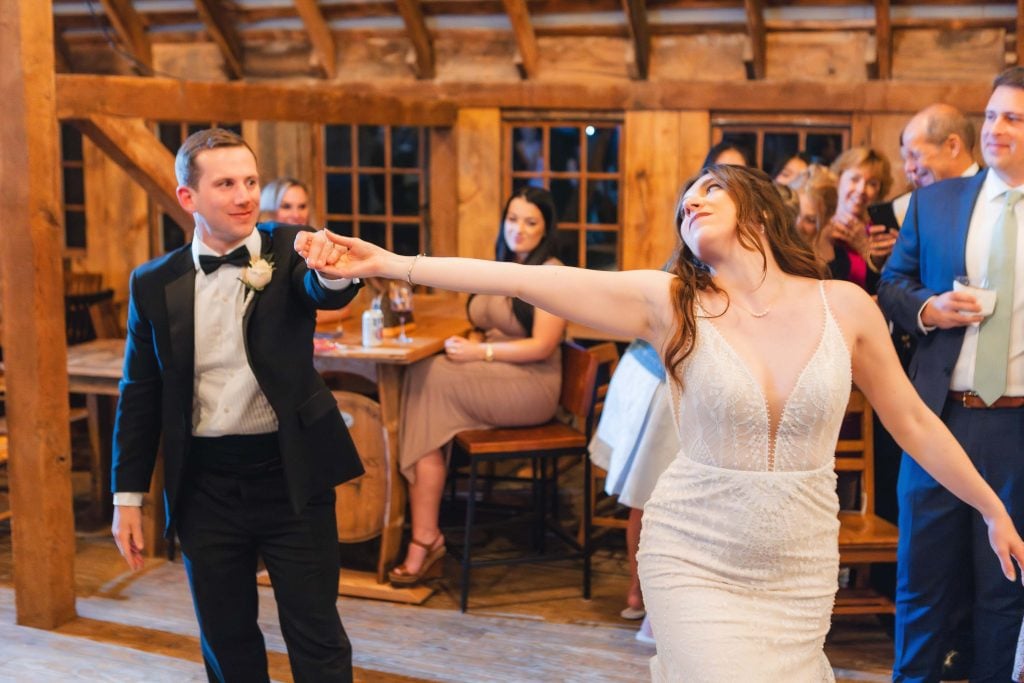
point(127, 530)
point(318, 250)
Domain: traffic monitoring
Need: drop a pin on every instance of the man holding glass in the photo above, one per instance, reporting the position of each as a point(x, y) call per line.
point(969, 369)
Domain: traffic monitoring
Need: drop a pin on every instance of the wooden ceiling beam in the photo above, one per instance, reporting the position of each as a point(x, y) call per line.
point(640, 37)
point(758, 40)
point(422, 56)
point(883, 39)
point(134, 147)
point(61, 53)
point(435, 104)
point(526, 40)
point(320, 36)
point(131, 31)
point(221, 28)
point(81, 96)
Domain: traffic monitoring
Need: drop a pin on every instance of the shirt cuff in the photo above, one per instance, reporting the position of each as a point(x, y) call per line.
point(339, 284)
point(128, 499)
point(920, 325)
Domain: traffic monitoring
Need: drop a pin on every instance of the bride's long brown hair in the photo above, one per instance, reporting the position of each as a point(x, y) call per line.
point(758, 205)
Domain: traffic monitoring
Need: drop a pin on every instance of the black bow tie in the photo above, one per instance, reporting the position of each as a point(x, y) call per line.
point(238, 257)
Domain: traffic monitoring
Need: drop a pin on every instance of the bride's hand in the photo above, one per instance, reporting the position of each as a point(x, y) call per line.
point(1007, 545)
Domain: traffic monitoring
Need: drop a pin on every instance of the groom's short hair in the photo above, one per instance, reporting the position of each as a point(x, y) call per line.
point(185, 168)
point(1012, 77)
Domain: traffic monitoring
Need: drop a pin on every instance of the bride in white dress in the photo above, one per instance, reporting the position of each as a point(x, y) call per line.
point(739, 552)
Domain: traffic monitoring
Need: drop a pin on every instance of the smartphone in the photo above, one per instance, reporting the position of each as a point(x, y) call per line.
point(882, 214)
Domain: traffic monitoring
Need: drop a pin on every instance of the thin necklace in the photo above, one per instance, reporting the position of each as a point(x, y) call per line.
point(758, 314)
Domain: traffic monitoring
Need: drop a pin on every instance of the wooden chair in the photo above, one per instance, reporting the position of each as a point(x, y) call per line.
point(864, 537)
point(79, 316)
point(543, 446)
point(76, 283)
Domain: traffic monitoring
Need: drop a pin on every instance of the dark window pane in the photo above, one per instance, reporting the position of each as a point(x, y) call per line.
point(233, 127)
point(340, 227)
point(74, 229)
point(778, 147)
point(520, 183)
point(825, 146)
point(196, 127)
point(406, 238)
point(371, 194)
point(70, 143)
point(602, 250)
point(373, 232)
point(405, 147)
point(748, 141)
point(565, 149)
point(569, 247)
point(74, 186)
point(173, 236)
point(371, 146)
point(602, 149)
point(338, 145)
point(527, 149)
point(567, 200)
point(339, 193)
point(170, 135)
point(405, 194)
point(603, 202)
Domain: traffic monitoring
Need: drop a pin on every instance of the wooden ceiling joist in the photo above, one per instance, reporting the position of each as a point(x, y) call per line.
point(758, 40)
point(526, 40)
point(883, 39)
point(320, 36)
point(130, 31)
point(422, 57)
point(82, 96)
point(640, 38)
point(140, 153)
point(61, 53)
point(222, 30)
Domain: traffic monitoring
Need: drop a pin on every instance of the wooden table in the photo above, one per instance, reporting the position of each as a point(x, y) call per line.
point(437, 318)
point(94, 368)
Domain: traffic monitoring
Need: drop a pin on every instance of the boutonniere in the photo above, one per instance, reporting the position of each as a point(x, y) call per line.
point(257, 274)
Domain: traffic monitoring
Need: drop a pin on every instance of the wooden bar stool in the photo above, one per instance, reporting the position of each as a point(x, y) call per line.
point(543, 445)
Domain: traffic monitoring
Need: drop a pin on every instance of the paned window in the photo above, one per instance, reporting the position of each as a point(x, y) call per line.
point(73, 186)
point(580, 162)
point(375, 184)
point(772, 140)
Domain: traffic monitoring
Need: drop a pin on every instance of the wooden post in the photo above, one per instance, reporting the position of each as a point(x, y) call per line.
point(883, 39)
point(478, 146)
point(35, 354)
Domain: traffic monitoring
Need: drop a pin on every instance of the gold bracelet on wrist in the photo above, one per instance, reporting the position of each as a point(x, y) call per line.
point(408, 274)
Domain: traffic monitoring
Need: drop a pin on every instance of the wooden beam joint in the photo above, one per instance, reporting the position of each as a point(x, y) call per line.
point(526, 58)
point(640, 38)
point(221, 28)
point(422, 44)
point(758, 41)
point(131, 31)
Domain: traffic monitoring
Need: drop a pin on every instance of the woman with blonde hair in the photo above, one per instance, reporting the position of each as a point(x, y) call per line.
point(285, 200)
point(864, 177)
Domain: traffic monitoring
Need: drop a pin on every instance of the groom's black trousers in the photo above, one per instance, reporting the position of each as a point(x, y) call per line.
point(233, 509)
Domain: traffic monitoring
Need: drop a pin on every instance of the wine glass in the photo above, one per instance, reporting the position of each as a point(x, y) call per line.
point(400, 295)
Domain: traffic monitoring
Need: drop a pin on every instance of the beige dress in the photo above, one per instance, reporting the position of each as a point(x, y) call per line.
point(441, 397)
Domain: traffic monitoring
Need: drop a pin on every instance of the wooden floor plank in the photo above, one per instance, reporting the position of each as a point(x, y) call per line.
point(525, 624)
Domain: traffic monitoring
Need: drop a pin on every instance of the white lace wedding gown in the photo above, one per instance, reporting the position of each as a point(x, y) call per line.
point(739, 550)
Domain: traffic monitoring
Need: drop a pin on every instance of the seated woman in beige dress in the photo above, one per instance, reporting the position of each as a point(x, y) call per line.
point(512, 377)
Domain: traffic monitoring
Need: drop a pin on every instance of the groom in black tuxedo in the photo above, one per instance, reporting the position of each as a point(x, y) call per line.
point(219, 369)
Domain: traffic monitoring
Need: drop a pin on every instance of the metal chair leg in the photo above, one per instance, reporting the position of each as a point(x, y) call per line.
point(467, 542)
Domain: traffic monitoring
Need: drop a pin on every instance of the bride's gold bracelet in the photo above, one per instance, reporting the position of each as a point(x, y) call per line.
point(408, 275)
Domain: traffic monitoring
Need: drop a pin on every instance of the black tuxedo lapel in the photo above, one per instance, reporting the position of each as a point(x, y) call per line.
point(266, 252)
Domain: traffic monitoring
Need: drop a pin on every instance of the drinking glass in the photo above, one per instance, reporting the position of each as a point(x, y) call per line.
point(400, 295)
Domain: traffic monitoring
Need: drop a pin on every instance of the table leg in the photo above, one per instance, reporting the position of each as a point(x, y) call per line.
point(389, 388)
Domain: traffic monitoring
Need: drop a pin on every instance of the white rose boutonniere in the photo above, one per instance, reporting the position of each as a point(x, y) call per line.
point(257, 274)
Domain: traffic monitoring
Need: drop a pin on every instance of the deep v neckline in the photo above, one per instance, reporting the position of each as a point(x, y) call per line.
point(774, 428)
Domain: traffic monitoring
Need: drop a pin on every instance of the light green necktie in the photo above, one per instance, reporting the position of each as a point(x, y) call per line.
point(994, 336)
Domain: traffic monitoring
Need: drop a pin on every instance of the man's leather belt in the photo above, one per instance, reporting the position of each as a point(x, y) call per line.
point(969, 399)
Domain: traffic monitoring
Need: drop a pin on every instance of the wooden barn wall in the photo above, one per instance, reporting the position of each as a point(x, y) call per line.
point(662, 147)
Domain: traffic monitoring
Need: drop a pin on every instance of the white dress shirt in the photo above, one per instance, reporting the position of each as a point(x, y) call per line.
point(226, 398)
point(987, 210)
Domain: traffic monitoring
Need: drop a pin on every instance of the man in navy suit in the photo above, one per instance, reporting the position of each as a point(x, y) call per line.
point(219, 370)
point(969, 369)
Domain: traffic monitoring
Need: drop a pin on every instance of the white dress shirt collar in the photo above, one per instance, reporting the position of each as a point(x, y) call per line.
point(996, 187)
point(254, 243)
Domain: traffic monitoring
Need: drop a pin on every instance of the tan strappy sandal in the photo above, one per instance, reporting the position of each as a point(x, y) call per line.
point(430, 569)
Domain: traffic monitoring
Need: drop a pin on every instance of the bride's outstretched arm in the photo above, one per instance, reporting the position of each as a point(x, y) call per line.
point(628, 304)
point(919, 431)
